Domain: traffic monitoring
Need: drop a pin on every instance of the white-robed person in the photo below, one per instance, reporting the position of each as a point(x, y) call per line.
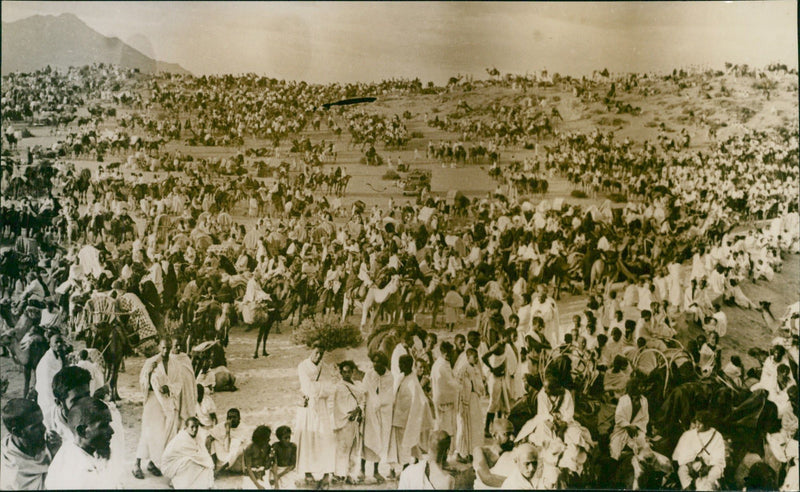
point(316, 445)
point(186, 461)
point(470, 416)
point(411, 417)
point(348, 414)
point(545, 307)
point(499, 381)
point(378, 386)
point(630, 421)
point(84, 462)
point(700, 455)
point(254, 295)
point(187, 402)
point(445, 389)
point(161, 412)
point(555, 409)
point(49, 365)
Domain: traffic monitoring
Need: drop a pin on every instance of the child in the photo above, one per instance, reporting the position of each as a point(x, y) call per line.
point(206, 409)
point(206, 412)
point(285, 452)
point(257, 460)
point(98, 379)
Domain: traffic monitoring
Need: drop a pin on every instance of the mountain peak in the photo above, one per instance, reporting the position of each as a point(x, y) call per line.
point(65, 40)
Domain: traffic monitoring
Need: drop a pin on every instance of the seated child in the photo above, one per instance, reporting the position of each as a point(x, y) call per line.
point(285, 452)
point(258, 460)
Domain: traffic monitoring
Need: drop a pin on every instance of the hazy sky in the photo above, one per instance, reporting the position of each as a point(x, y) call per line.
point(347, 41)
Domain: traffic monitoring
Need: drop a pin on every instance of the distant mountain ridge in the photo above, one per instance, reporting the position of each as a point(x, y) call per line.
point(61, 41)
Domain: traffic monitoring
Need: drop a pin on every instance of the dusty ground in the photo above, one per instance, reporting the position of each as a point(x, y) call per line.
point(268, 387)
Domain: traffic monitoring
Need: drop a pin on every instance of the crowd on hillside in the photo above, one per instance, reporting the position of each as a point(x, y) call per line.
point(560, 403)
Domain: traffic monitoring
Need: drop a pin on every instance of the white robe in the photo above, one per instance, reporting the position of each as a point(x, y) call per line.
point(73, 468)
point(445, 396)
point(470, 421)
point(623, 417)
point(708, 446)
point(379, 391)
point(548, 311)
point(187, 464)
point(414, 478)
point(411, 421)
point(48, 366)
point(160, 414)
point(316, 446)
point(399, 351)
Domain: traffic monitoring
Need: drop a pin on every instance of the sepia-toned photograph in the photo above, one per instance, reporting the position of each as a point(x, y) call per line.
point(399, 245)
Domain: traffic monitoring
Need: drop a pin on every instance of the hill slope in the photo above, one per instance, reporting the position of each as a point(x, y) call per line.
point(65, 40)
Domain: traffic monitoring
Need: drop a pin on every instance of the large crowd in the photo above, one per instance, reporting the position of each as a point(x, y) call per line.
point(634, 392)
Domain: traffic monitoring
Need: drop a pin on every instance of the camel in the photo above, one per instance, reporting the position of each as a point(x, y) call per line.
point(376, 297)
point(26, 345)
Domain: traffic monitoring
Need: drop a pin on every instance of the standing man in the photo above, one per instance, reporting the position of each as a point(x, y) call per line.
point(161, 384)
point(491, 322)
point(469, 425)
point(348, 414)
point(185, 373)
point(52, 362)
point(378, 387)
point(316, 446)
point(445, 391)
point(411, 417)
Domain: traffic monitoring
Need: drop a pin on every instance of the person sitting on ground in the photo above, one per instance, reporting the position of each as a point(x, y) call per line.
point(186, 461)
point(430, 473)
point(84, 462)
point(630, 421)
point(285, 452)
point(769, 370)
point(734, 371)
point(700, 454)
point(785, 395)
point(225, 445)
point(493, 463)
point(527, 474)
point(206, 409)
point(709, 355)
point(27, 449)
point(258, 461)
